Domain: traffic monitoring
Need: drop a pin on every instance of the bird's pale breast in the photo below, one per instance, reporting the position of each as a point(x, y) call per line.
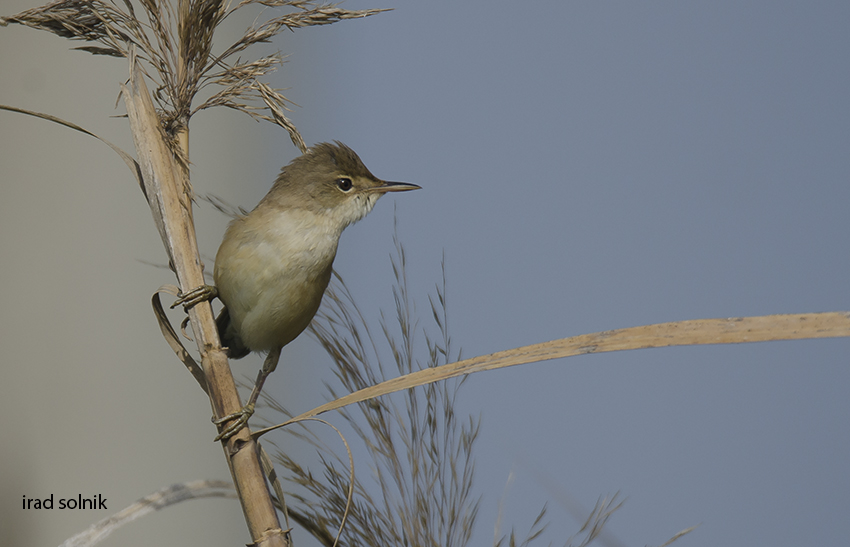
point(271, 272)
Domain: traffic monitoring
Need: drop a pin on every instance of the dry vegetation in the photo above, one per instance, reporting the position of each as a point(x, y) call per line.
point(421, 490)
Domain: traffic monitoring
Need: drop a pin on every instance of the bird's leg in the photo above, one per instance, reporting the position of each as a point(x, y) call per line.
point(243, 415)
point(195, 296)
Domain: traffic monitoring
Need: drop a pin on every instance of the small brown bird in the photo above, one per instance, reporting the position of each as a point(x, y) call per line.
point(275, 262)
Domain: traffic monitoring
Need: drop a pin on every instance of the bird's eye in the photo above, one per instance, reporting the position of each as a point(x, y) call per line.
point(344, 184)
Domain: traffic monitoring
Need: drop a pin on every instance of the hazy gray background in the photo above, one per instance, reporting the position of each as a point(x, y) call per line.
point(586, 166)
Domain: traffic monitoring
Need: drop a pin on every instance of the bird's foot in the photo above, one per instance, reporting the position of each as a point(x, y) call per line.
point(241, 418)
point(195, 296)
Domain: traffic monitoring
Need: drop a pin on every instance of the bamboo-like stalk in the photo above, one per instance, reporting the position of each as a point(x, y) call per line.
point(169, 196)
point(180, 64)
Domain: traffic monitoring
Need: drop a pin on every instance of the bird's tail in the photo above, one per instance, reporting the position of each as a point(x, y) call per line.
point(230, 339)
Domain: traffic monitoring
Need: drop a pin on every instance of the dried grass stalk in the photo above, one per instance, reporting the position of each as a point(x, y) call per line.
point(420, 490)
point(170, 495)
point(172, 44)
point(732, 330)
point(170, 200)
point(177, 49)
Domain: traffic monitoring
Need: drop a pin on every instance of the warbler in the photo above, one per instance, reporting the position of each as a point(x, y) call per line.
point(274, 263)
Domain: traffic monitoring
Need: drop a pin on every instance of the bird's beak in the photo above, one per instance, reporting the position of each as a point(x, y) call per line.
point(395, 187)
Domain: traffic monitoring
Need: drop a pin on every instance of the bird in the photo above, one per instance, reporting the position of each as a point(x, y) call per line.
point(274, 263)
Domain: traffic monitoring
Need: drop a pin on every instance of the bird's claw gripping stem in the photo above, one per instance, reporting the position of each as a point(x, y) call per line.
point(197, 295)
point(241, 418)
